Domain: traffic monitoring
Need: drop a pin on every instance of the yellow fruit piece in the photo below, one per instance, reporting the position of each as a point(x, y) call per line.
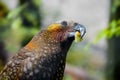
point(77, 37)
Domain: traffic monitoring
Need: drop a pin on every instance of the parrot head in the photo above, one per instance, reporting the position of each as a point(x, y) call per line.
point(65, 30)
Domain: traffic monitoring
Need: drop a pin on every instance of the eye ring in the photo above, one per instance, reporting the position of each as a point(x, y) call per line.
point(64, 23)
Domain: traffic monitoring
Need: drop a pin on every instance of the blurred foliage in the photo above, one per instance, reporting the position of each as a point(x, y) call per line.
point(115, 4)
point(67, 77)
point(3, 10)
point(112, 34)
point(113, 28)
point(31, 15)
point(86, 60)
point(13, 32)
point(77, 56)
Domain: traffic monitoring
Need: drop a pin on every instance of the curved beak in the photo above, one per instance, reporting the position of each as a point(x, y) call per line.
point(78, 28)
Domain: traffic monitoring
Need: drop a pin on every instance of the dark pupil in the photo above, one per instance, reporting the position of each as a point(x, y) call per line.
point(64, 23)
point(75, 24)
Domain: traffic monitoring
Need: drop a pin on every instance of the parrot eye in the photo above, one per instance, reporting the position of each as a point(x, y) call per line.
point(64, 23)
point(75, 24)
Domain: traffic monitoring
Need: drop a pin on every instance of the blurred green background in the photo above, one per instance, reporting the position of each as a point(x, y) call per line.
point(95, 58)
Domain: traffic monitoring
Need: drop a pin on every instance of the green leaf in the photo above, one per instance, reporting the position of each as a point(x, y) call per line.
point(103, 34)
point(13, 14)
point(37, 2)
point(113, 24)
